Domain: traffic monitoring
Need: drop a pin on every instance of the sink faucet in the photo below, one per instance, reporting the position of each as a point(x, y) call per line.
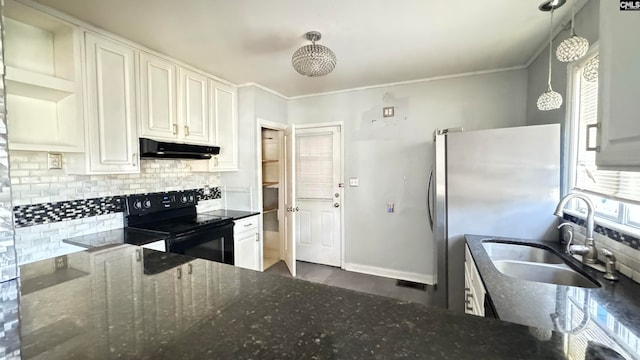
point(588, 252)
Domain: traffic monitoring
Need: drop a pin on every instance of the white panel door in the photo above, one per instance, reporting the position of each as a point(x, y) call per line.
point(225, 127)
point(318, 195)
point(194, 105)
point(112, 115)
point(158, 98)
point(290, 199)
point(619, 86)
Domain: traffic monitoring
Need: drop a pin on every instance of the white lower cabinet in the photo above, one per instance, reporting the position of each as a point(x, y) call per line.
point(474, 291)
point(246, 243)
point(120, 315)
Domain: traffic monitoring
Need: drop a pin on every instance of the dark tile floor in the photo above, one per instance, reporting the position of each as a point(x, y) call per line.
point(334, 276)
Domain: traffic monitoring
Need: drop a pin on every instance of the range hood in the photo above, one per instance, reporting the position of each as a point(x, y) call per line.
point(152, 149)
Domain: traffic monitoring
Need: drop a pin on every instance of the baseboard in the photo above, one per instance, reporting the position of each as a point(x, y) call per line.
point(390, 273)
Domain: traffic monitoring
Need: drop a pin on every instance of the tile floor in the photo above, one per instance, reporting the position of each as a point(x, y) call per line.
point(334, 276)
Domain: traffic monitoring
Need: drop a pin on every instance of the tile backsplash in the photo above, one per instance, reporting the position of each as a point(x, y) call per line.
point(50, 205)
point(624, 247)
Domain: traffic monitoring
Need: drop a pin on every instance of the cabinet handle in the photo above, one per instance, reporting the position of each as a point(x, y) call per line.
point(133, 159)
point(138, 256)
point(175, 129)
point(247, 225)
point(179, 273)
point(257, 237)
point(186, 130)
point(595, 148)
point(215, 161)
point(190, 269)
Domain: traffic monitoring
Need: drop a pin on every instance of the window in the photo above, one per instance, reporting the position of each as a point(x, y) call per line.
point(614, 193)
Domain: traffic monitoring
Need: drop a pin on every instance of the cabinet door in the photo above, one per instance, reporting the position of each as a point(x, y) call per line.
point(112, 116)
point(118, 302)
point(163, 304)
point(223, 110)
point(247, 250)
point(194, 107)
point(158, 98)
point(194, 293)
point(619, 86)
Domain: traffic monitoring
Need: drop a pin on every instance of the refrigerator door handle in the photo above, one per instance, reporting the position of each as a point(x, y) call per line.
point(429, 199)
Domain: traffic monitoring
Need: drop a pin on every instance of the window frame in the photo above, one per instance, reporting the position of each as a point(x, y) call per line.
point(620, 223)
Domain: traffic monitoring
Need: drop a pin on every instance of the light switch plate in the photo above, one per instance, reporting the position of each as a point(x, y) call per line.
point(353, 182)
point(55, 161)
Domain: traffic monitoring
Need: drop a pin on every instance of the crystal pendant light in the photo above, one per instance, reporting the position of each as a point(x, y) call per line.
point(550, 100)
point(313, 60)
point(573, 48)
point(590, 72)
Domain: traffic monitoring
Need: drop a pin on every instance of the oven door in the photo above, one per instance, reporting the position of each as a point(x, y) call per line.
point(212, 243)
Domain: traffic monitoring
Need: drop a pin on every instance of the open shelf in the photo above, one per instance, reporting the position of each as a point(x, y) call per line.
point(270, 161)
point(266, 211)
point(40, 86)
point(270, 184)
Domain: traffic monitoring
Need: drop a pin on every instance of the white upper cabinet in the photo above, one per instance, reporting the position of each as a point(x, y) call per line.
point(43, 81)
point(111, 116)
point(158, 94)
point(223, 109)
point(619, 86)
point(194, 107)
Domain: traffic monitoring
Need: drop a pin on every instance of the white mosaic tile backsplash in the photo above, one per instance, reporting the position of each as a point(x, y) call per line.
point(33, 183)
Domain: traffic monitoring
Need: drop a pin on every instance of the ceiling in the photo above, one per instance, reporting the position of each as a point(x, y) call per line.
point(375, 41)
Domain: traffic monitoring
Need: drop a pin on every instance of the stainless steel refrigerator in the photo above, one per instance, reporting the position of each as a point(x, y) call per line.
point(500, 182)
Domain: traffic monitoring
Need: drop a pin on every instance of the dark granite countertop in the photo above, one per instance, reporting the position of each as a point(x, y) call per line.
point(207, 310)
point(115, 237)
point(613, 308)
point(232, 214)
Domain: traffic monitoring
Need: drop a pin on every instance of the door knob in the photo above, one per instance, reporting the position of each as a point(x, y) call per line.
point(336, 205)
point(337, 195)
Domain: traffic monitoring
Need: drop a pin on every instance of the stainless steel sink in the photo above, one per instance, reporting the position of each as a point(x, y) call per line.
point(546, 273)
point(527, 262)
point(520, 252)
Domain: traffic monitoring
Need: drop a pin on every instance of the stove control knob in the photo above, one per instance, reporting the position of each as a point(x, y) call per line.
point(147, 203)
point(191, 198)
point(183, 199)
point(137, 204)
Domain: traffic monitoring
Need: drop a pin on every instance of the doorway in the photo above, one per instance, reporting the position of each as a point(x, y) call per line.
point(276, 189)
point(318, 161)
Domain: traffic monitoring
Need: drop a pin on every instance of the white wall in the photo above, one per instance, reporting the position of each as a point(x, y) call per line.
point(253, 104)
point(392, 158)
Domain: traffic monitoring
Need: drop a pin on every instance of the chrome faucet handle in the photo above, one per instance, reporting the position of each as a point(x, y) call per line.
point(610, 264)
point(571, 230)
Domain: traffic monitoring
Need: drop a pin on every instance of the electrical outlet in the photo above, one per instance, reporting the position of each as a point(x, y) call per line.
point(55, 161)
point(353, 182)
point(207, 190)
point(61, 262)
point(388, 111)
point(390, 207)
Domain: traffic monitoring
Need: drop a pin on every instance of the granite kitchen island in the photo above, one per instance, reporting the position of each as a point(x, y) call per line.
point(126, 302)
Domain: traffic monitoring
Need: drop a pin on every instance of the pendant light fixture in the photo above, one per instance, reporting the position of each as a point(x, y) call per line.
point(550, 100)
point(313, 60)
point(590, 72)
point(573, 48)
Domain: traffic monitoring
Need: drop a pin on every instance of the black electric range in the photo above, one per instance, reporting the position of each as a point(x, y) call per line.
point(173, 214)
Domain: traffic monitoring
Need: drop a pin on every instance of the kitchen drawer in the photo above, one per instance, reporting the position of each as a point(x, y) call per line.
point(246, 224)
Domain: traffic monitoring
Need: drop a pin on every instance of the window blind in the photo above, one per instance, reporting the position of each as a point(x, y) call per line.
point(314, 166)
point(621, 185)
